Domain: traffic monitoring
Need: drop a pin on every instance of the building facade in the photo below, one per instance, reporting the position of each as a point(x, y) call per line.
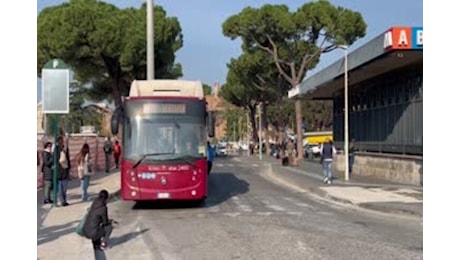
point(385, 102)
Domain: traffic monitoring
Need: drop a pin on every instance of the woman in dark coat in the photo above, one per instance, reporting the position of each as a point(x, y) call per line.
point(98, 226)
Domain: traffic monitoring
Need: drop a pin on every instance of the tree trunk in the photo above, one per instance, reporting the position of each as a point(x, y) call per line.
point(116, 92)
point(265, 128)
point(298, 115)
point(252, 117)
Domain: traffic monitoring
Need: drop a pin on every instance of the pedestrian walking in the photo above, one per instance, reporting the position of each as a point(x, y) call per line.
point(290, 151)
point(211, 155)
point(108, 149)
point(116, 153)
point(351, 155)
point(98, 227)
point(327, 156)
point(84, 170)
point(64, 170)
point(47, 172)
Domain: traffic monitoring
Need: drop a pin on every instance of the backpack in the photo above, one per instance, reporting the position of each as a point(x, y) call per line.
point(107, 148)
point(79, 228)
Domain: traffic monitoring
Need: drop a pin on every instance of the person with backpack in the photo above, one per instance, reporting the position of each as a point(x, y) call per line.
point(327, 155)
point(97, 225)
point(108, 149)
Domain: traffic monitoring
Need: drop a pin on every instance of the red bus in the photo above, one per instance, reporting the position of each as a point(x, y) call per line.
point(165, 127)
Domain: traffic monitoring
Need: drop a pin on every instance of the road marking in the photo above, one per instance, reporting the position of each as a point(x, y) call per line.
point(160, 242)
point(230, 164)
point(254, 165)
point(215, 208)
point(272, 206)
point(232, 214)
point(219, 165)
point(302, 245)
point(265, 214)
point(241, 206)
point(295, 213)
point(299, 203)
point(324, 213)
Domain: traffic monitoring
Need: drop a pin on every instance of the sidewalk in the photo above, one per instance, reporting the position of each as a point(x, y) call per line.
point(361, 191)
point(57, 224)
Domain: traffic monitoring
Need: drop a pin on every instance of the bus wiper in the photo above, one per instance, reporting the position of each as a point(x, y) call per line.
point(145, 156)
point(186, 161)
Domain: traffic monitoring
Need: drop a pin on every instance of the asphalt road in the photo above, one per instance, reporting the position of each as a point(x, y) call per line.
point(248, 217)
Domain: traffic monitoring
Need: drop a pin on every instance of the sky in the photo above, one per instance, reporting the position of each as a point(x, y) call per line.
point(206, 51)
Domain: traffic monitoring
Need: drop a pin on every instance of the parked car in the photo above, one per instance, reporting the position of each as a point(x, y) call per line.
point(221, 150)
point(313, 149)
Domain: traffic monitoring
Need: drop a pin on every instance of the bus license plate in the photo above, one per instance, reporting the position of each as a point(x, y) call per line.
point(163, 195)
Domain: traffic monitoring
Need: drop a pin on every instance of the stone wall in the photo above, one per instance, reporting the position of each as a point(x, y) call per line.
point(393, 168)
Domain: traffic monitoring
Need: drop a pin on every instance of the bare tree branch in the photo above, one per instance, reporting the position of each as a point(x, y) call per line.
point(306, 59)
point(270, 51)
point(277, 63)
point(293, 71)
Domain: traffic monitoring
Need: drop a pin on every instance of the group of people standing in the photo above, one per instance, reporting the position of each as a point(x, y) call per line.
point(83, 165)
point(63, 165)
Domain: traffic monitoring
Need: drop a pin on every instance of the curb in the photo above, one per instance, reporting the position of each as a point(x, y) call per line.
point(322, 195)
point(390, 210)
point(337, 180)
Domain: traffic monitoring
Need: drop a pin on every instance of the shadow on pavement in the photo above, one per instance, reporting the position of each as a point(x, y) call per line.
point(42, 210)
point(99, 255)
point(114, 241)
point(222, 186)
point(48, 234)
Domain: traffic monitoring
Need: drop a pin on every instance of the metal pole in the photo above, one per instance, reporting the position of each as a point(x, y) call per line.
point(45, 129)
point(346, 115)
point(55, 159)
point(234, 131)
point(248, 134)
point(150, 42)
point(239, 128)
point(260, 131)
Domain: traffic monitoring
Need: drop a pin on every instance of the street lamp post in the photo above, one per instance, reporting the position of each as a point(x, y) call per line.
point(150, 42)
point(345, 124)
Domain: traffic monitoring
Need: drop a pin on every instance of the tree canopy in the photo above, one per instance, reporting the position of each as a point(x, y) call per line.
point(207, 89)
point(253, 80)
point(105, 45)
point(295, 40)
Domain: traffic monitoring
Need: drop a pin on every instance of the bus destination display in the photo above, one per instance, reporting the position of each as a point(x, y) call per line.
point(164, 108)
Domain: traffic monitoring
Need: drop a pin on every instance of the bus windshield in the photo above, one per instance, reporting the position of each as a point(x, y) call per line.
point(163, 136)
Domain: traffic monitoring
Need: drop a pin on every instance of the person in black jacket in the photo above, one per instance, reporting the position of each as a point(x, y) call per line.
point(47, 171)
point(98, 226)
point(64, 170)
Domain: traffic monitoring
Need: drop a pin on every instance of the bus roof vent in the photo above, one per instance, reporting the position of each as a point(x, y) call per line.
point(165, 87)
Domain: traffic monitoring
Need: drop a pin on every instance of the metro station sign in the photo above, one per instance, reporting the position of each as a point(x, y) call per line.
point(403, 38)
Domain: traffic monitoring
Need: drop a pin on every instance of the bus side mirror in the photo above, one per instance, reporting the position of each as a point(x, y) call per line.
point(115, 120)
point(211, 124)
